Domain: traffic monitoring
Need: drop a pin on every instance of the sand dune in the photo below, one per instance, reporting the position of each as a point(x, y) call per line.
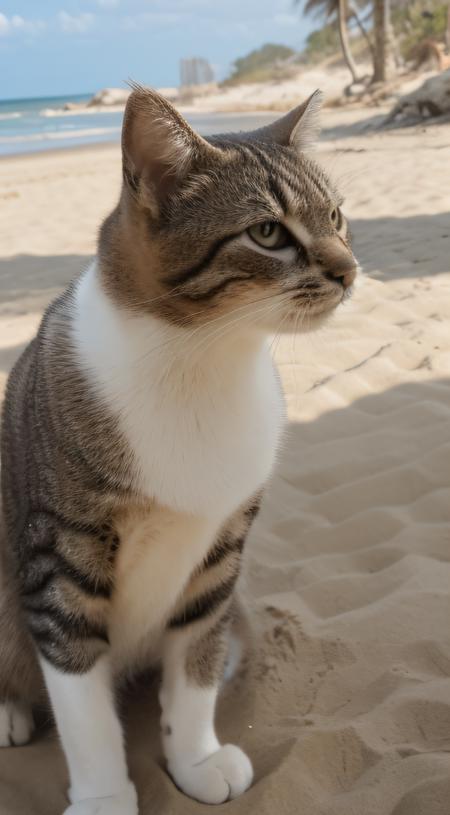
point(343, 701)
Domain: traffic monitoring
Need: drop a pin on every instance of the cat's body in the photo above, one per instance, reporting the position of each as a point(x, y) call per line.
point(153, 440)
point(139, 429)
point(186, 418)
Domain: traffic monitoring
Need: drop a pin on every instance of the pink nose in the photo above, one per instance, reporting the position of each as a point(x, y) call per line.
point(335, 260)
point(345, 274)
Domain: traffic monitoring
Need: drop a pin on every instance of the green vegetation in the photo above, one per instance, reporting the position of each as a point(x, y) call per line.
point(411, 22)
point(418, 20)
point(322, 43)
point(263, 64)
point(340, 12)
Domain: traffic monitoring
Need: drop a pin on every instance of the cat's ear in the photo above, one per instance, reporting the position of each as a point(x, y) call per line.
point(159, 148)
point(299, 128)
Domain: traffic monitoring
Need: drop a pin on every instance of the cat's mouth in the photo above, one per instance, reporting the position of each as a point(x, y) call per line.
point(328, 288)
point(324, 297)
point(315, 309)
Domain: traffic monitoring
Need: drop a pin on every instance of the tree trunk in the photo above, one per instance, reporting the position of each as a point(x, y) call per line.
point(343, 34)
point(447, 33)
point(380, 25)
point(362, 29)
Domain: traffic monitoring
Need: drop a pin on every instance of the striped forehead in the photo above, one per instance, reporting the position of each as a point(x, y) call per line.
point(255, 180)
point(293, 181)
point(300, 188)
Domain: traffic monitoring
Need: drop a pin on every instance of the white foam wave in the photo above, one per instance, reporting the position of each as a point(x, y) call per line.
point(81, 111)
point(14, 115)
point(52, 112)
point(56, 135)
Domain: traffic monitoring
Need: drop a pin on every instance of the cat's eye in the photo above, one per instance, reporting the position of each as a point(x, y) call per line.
point(270, 235)
point(336, 217)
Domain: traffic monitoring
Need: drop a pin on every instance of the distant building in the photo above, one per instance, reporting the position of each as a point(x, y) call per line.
point(195, 71)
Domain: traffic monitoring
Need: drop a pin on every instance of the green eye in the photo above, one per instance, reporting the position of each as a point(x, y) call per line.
point(336, 217)
point(270, 235)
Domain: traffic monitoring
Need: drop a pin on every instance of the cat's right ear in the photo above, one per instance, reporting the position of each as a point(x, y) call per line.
point(299, 128)
point(159, 148)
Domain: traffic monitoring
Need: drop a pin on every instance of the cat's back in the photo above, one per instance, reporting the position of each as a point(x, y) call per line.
point(57, 458)
point(15, 433)
point(25, 381)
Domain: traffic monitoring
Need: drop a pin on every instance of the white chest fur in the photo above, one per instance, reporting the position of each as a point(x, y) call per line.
point(203, 425)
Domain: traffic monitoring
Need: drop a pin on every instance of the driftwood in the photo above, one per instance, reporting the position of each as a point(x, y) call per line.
point(430, 52)
point(431, 100)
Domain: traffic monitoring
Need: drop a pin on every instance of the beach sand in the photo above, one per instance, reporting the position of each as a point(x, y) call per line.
point(343, 701)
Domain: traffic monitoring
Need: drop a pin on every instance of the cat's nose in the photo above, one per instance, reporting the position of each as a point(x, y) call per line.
point(336, 261)
point(344, 272)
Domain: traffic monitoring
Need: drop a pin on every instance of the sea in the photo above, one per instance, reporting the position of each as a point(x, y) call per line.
point(33, 125)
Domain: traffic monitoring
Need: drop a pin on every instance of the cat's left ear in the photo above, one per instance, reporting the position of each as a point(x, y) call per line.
point(300, 128)
point(159, 148)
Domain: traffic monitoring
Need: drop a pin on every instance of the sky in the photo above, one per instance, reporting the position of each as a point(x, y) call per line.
point(58, 47)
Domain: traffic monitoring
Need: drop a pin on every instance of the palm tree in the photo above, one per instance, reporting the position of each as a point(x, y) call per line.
point(447, 33)
point(381, 25)
point(338, 9)
point(363, 31)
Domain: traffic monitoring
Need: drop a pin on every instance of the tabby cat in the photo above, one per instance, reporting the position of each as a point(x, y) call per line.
point(139, 428)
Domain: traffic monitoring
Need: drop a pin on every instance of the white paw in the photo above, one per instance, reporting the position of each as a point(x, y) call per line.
point(16, 724)
point(225, 774)
point(123, 803)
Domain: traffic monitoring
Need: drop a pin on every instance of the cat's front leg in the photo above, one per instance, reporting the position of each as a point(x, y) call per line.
point(193, 665)
point(92, 739)
point(195, 649)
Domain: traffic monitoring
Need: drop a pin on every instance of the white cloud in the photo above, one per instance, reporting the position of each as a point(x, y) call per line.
point(75, 24)
point(17, 22)
point(4, 24)
point(108, 3)
point(11, 25)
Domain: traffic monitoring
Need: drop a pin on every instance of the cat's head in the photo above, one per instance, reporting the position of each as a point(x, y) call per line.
point(245, 225)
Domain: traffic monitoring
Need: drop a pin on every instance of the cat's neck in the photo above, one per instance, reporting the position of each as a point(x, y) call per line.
point(201, 415)
point(146, 344)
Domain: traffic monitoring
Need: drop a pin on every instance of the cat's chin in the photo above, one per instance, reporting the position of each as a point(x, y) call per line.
point(311, 321)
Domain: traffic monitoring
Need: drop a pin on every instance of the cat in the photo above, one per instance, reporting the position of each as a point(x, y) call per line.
point(139, 428)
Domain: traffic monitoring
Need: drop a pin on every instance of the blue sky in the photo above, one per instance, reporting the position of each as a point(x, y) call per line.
point(58, 47)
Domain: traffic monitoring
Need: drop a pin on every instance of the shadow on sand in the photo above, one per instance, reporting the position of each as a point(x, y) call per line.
point(28, 283)
point(392, 243)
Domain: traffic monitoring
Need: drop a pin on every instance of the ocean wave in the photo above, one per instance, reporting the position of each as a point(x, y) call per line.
point(56, 135)
point(14, 115)
point(52, 112)
point(81, 111)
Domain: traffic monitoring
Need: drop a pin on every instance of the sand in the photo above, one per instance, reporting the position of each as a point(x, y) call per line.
point(343, 701)
point(279, 94)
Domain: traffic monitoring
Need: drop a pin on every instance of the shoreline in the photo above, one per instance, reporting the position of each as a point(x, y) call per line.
point(56, 151)
point(109, 142)
point(32, 132)
point(246, 100)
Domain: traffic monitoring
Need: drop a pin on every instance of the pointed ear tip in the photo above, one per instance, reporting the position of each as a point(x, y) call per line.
point(317, 96)
point(141, 93)
point(312, 103)
point(135, 87)
point(137, 95)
